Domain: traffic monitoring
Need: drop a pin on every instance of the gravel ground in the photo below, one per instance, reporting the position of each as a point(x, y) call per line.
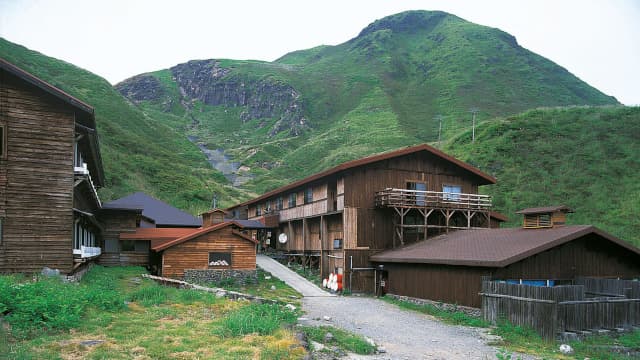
point(404, 334)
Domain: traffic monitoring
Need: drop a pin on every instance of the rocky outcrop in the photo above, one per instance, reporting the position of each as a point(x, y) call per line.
point(141, 88)
point(262, 98)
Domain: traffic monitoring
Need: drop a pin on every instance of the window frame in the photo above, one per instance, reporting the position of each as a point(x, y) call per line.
point(293, 197)
point(308, 195)
point(3, 141)
point(448, 195)
point(279, 203)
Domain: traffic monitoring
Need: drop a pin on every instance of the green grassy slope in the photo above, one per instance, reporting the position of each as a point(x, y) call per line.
point(139, 152)
point(587, 158)
point(375, 92)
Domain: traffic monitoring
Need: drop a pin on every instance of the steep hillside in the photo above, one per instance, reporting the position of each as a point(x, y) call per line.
point(139, 152)
point(587, 158)
point(314, 108)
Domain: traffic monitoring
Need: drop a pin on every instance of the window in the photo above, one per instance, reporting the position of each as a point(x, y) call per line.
point(418, 186)
point(127, 245)
point(267, 207)
point(279, 203)
point(292, 200)
point(258, 209)
point(3, 142)
point(308, 195)
point(451, 192)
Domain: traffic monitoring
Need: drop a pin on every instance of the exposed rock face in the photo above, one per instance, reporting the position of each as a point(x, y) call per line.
point(141, 87)
point(266, 98)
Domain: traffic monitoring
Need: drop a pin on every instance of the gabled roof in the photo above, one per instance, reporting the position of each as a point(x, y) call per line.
point(85, 118)
point(491, 247)
point(199, 232)
point(162, 213)
point(545, 209)
point(483, 178)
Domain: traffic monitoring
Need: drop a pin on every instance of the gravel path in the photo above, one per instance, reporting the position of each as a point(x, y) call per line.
point(404, 334)
point(300, 284)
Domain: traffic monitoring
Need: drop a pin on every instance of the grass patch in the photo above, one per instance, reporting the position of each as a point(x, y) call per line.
point(261, 319)
point(450, 317)
point(157, 322)
point(341, 338)
point(268, 287)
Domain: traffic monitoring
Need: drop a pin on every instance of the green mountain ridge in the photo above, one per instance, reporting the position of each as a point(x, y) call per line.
point(314, 108)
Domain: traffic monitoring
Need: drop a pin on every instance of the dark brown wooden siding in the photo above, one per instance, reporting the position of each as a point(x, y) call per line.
point(115, 223)
point(362, 183)
point(194, 253)
point(588, 256)
point(36, 180)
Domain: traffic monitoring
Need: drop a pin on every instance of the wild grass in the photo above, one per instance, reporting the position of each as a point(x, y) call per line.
point(261, 319)
point(341, 338)
point(155, 322)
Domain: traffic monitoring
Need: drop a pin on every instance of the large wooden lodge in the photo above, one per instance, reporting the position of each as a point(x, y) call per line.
point(340, 217)
point(50, 168)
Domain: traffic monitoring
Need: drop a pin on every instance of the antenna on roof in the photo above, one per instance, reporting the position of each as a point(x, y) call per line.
point(214, 201)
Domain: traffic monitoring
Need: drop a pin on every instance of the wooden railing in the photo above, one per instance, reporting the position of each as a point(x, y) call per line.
point(416, 198)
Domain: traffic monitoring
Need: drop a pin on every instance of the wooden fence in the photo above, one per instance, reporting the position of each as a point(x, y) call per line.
point(588, 305)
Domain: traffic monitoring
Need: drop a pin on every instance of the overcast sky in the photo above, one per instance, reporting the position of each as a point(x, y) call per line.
point(599, 41)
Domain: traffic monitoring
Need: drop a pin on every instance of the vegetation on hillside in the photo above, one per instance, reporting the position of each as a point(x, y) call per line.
point(140, 153)
point(586, 158)
point(378, 91)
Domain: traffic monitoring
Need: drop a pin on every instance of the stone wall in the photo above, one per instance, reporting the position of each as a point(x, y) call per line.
point(440, 305)
point(217, 276)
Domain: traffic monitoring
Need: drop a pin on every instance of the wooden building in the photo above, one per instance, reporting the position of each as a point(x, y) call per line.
point(340, 217)
point(218, 247)
point(135, 211)
point(50, 168)
point(450, 267)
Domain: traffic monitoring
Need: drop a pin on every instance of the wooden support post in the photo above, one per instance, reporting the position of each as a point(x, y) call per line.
point(290, 234)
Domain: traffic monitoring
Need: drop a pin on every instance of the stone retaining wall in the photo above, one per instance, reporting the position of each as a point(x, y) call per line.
point(440, 305)
point(218, 276)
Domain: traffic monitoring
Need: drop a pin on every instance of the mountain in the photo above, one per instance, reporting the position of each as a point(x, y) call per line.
point(385, 88)
point(139, 153)
point(583, 157)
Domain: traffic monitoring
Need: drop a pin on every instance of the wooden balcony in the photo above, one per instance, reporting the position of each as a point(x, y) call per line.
point(403, 198)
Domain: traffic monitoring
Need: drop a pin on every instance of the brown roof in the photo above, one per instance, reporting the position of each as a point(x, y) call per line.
point(498, 216)
point(485, 178)
point(490, 247)
point(157, 233)
point(545, 209)
point(158, 246)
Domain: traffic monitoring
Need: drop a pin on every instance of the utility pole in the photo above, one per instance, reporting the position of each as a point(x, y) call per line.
point(439, 118)
point(214, 201)
point(474, 111)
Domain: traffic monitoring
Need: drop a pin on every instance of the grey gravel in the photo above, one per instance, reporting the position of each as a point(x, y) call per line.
point(402, 334)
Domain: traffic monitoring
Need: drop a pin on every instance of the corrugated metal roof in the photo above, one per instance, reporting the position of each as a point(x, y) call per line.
point(545, 209)
point(490, 247)
point(162, 213)
point(484, 178)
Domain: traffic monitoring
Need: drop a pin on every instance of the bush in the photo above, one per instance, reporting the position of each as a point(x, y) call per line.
point(263, 319)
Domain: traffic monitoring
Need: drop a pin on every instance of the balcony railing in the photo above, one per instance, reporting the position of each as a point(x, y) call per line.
point(431, 199)
point(82, 172)
point(87, 252)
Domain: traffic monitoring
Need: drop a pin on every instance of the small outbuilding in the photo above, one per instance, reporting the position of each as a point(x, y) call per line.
point(450, 267)
point(221, 249)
